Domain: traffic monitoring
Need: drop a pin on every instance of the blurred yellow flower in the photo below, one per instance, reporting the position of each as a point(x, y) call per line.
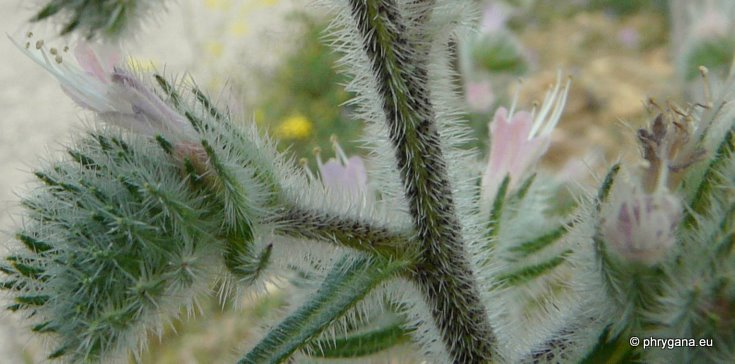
point(141, 65)
point(215, 48)
point(239, 28)
point(294, 127)
point(259, 116)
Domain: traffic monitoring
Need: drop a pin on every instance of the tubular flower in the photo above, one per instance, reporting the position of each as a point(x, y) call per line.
point(640, 226)
point(518, 140)
point(479, 95)
point(343, 174)
point(94, 80)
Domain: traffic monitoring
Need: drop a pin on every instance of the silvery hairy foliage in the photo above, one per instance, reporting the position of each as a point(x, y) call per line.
point(414, 254)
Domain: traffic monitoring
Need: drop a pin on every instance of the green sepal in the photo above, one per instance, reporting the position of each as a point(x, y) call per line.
point(167, 147)
point(169, 90)
point(202, 98)
point(493, 224)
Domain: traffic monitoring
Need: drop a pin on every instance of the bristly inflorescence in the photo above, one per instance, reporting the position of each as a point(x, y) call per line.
point(130, 228)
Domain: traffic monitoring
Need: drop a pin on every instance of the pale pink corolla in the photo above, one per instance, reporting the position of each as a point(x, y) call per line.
point(94, 79)
point(343, 174)
point(518, 140)
point(639, 227)
point(480, 96)
point(494, 17)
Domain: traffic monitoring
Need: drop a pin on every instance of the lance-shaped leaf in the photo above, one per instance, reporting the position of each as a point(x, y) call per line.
point(388, 332)
point(348, 282)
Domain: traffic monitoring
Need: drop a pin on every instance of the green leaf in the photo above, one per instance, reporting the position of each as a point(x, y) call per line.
point(350, 280)
point(364, 343)
point(248, 266)
point(529, 247)
point(531, 272)
point(525, 187)
point(711, 180)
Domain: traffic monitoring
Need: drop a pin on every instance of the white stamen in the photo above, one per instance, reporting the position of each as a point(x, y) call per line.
point(515, 99)
point(305, 165)
point(318, 154)
point(341, 156)
point(552, 108)
point(558, 109)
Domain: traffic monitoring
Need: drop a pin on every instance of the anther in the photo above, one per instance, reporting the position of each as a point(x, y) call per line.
point(53, 51)
point(39, 44)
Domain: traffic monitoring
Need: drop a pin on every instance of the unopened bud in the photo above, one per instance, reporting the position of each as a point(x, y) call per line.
point(640, 227)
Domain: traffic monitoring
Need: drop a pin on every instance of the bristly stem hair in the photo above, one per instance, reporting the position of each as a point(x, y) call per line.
point(443, 273)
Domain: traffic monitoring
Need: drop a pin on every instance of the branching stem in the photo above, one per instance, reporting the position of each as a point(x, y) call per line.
point(443, 273)
point(352, 233)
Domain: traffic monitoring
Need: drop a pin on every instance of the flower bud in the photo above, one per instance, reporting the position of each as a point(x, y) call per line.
point(639, 227)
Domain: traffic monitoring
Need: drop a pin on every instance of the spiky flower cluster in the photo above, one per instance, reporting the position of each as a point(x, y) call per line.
point(414, 245)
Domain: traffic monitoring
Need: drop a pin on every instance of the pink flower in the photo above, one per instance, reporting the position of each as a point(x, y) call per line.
point(639, 226)
point(95, 81)
point(494, 17)
point(343, 174)
point(480, 96)
point(517, 141)
point(629, 37)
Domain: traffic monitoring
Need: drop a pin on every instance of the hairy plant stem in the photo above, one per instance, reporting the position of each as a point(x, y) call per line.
point(443, 273)
point(365, 236)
